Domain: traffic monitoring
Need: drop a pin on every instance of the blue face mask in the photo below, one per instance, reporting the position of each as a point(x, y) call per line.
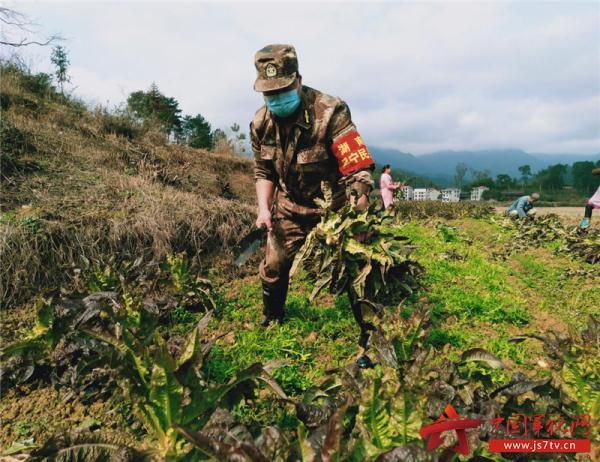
point(283, 104)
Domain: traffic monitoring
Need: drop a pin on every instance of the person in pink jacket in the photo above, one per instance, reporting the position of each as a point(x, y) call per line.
point(387, 186)
point(593, 203)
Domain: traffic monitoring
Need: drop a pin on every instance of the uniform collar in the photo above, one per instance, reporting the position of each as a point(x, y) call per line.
point(304, 118)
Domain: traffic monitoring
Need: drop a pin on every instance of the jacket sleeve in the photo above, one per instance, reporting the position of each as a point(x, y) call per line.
point(264, 169)
point(391, 185)
point(340, 126)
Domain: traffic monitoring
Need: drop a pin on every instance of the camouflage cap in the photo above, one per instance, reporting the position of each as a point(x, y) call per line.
point(276, 67)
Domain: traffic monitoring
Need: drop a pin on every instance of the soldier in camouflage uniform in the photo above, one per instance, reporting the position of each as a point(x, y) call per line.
point(300, 137)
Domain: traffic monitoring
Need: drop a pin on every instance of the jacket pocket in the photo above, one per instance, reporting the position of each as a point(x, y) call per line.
point(314, 160)
point(267, 152)
point(317, 153)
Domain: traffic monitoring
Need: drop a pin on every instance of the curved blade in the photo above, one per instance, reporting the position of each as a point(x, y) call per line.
point(249, 244)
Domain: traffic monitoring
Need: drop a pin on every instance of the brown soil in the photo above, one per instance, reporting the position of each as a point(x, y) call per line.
point(45, 412)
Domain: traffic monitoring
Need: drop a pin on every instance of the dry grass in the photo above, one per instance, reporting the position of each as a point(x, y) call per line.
point(94, 195)
point(570, 215)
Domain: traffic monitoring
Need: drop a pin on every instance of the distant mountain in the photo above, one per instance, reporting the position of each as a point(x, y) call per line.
point(565, 158)
point(397, 159)
point(496, 161)
point(440, 166)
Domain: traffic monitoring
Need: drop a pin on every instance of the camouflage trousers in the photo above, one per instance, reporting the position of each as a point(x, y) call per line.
point(291, 225)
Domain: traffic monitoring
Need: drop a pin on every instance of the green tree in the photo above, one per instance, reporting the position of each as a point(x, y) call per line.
point(459, 177)
point(219, 135)
point(504, 182)
point(196, 132)
point(153, 108)
point(583, 180)
point(525, 171)
point(238, 139)
point(482, 178)
point(551, 178)
point(60, 59)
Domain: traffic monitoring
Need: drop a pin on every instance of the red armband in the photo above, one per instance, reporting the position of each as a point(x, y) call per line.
point(351, 153)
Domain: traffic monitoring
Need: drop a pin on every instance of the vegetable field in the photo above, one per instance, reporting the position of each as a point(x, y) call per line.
point(156, 362)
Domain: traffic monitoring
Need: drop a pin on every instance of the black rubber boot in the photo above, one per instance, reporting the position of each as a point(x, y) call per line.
point(364, 362)
point(365, 335)
point(274, 301)
point(365, 331)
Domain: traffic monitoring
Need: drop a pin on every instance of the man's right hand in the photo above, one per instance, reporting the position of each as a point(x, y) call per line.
point(264, 219)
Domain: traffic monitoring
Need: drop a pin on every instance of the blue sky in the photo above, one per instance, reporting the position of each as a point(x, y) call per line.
point(418, 77)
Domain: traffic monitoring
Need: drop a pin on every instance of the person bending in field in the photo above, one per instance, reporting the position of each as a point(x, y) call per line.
point(592, 203)
point(301, 138)
point(523, 206)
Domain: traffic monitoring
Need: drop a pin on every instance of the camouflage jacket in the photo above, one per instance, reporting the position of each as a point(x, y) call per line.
point(322, 145)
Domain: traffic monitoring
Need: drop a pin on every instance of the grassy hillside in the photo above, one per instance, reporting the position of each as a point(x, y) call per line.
point(81, 187)
point(118, 284)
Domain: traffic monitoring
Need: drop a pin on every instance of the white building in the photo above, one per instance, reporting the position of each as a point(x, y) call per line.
point(433, 193)
point(408, 192)
point(420, 194)
point(477, 192)
point(426, 194)
point(450, 195)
